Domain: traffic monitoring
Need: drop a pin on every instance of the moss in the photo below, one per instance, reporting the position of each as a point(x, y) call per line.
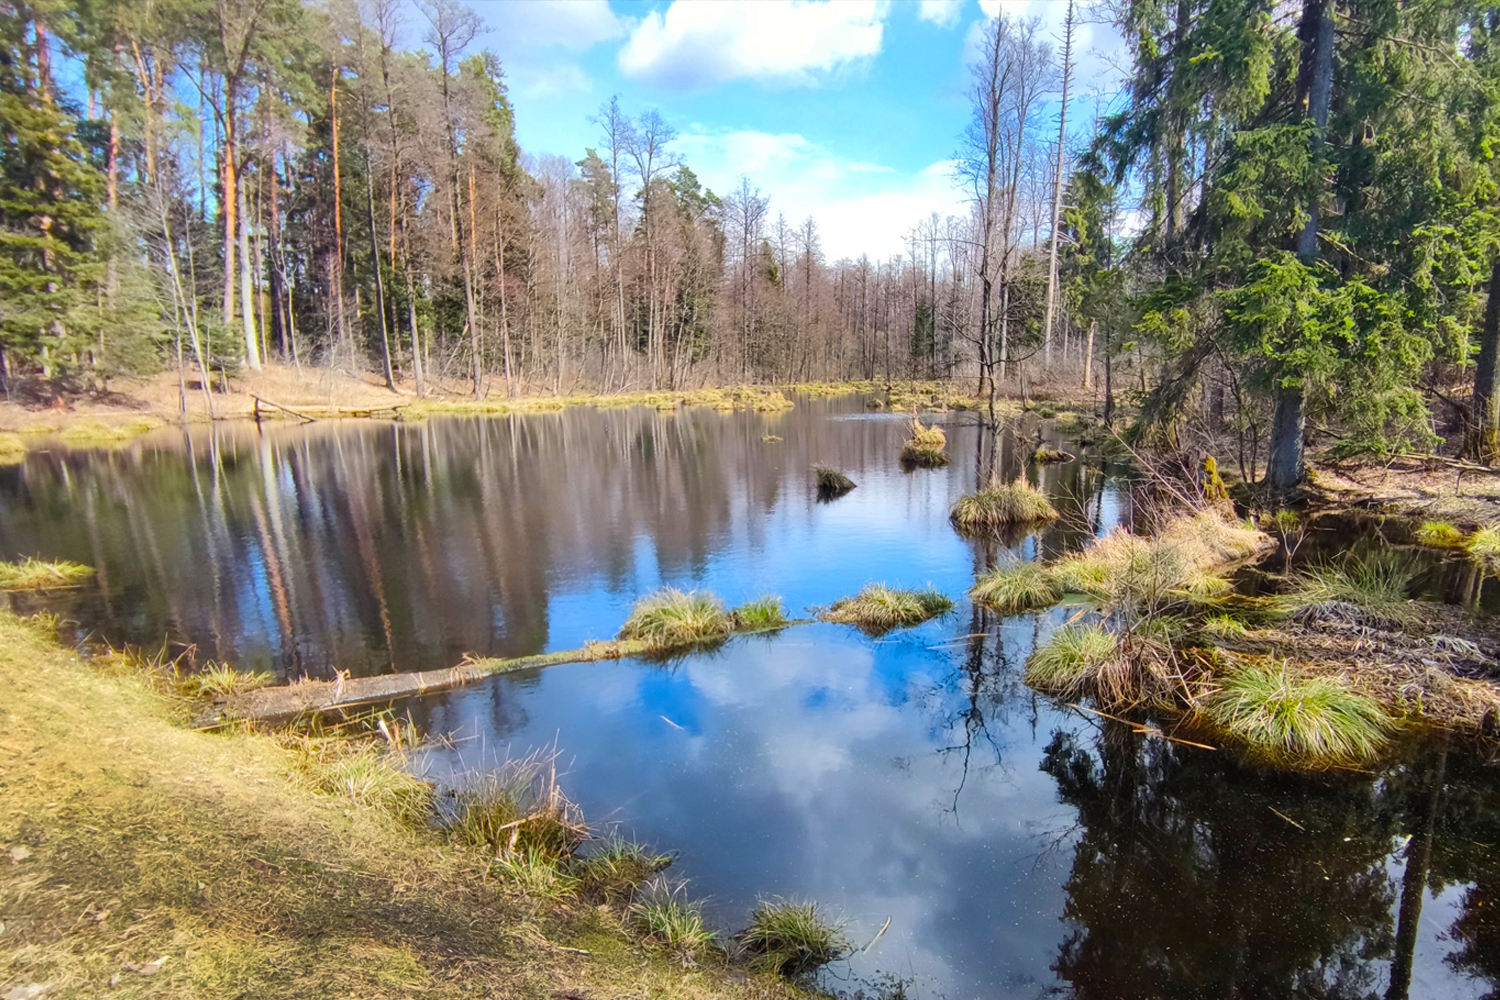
point(37, 574)
point(1309, 722)
point(1016, 588)
point(1001, 505)
point(1214, 490)
point(877, 608)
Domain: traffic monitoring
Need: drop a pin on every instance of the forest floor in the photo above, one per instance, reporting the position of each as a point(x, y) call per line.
point(1426, 489)
point(139, 858)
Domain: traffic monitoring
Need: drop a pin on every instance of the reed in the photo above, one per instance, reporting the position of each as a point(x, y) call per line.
point(1000, 505)
point(37, 574)
point(672, 619)
point(1022, 586)
point(1308, 722)
point(877, 608)
point(791, 938)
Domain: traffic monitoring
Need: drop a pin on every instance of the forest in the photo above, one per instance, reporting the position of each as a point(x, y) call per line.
point(1281, 233)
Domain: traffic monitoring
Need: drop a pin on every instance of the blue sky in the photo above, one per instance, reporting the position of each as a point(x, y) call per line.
point(849, 111)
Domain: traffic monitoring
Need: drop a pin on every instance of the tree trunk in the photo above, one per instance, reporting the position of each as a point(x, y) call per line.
point(1286, 466)
point(385, 336)
point(247, 296)
point(1484, 430)
point(1057, 189)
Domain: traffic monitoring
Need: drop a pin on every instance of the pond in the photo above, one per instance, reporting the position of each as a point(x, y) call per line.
point(1019, 847)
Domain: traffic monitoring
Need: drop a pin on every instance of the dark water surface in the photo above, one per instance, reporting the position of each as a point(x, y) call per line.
point(1020, 848)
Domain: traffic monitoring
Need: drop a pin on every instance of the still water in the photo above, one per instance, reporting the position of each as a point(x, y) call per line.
point(1019, 847)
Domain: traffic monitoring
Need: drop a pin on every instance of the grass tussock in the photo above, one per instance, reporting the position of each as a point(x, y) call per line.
point(1373, 588)
point(220, 680)
point(537, 874)
point(1303, 721)
point(664, 916)
point(671, 618)
point(365, 773)
point(791, 938)
point(877, 608)
point(1000, 505)
point(1050, 456)
point(760, 614)
point(1023, 586)
point(831, 482)
point(1069, 663)
point(1484, 548)
point(1186, 561)
point(927, 447)
point(518, 809)
point(1224, 628)
point(1441, 535)
point(38, 574)
point(615, 868)
point(770, 438)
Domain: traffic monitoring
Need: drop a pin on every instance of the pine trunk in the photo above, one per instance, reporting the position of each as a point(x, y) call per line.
point(1484, 433)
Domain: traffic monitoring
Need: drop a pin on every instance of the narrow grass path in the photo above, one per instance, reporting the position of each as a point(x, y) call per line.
point(141, 859)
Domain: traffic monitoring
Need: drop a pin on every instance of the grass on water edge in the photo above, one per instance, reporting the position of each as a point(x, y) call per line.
point(1069, 665)
point(1305, 722)
point(663, 915)
point(1000, 505)
point(1374, 589)
point(877, 608)
point(791, 938)
point(37, 574)
point(150, 860)
point(831, 482)
point(1012, 589)
point(675, 619)
point(926, 448)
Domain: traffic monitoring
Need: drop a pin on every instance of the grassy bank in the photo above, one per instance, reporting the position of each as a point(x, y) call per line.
point(146, 860)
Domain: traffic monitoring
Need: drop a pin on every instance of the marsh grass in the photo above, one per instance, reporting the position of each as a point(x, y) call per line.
point(615, 868)
point(537, 874)
point(1022, 586)
point(926, 448)
point(791, 938)
point(671, 619)
point(663, 915)
point(1377, 585)
point(12, 448)
point(518, 808)
point(770, 438)
point(365, 773)
point(831, 482)
point(38, 574)
point(1050, 456)
point(1484, 548)
point(877, 608)
point(1441, 535)
point(761, 614)
point(1068, 665)
point(1309, 722)
point(1224, 628)
point(1000, 505)
point(220, 680)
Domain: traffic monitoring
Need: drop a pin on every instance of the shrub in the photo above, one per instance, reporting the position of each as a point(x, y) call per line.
point(791, 938)
point(1304, 721)
point(1016, 588)
point(877, 608)
point(671, 618)
point(1001, 504)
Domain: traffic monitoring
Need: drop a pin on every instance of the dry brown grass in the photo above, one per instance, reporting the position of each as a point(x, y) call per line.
point(130, 841)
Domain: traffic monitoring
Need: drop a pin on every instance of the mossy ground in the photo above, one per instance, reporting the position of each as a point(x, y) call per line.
point(174, 863)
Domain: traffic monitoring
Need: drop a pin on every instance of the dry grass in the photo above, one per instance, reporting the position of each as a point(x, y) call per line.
point(1484, 548)
point(1000, 505)
point(664, 916)
point(927, 447)
point(37, 574)
point(516, 809)
point(791, 938)
point(877, 609)
point(146, 841)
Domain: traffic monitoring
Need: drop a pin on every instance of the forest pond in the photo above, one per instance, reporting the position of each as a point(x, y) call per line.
point(1021, 848)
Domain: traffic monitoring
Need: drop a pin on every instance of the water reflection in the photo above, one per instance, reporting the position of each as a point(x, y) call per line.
point(374, 547)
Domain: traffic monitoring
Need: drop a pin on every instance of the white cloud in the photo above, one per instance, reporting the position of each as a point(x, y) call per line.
point(577, 25)
point(794, 41)
point(943, 13)
point(860, 207)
